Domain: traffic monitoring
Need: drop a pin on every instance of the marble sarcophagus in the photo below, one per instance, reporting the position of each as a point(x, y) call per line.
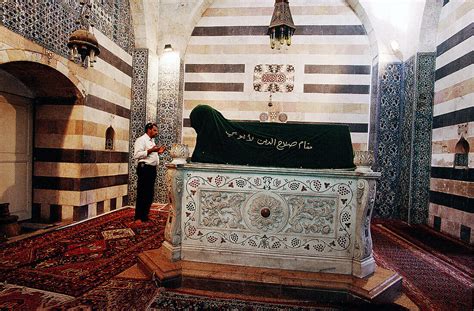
point(285, 218)
point(278, 196)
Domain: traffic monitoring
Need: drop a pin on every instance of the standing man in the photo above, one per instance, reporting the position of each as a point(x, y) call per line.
point(146, 153)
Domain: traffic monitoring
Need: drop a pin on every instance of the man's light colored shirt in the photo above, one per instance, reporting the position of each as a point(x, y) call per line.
point(142, 144)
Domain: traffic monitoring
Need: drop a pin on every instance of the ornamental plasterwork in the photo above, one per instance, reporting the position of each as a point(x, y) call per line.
point(305, 215)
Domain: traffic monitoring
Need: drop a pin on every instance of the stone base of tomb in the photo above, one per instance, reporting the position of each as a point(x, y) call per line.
point(382, 286)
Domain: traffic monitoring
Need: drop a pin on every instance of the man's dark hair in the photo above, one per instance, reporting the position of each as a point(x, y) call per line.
point(149, 126)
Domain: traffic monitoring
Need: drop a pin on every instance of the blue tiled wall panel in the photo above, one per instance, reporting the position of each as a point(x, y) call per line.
point(422, 129)
point(387, 148)
point(408, 109)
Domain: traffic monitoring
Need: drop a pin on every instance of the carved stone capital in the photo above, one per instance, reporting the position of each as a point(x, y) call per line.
point(179, 153)
point(363, 161)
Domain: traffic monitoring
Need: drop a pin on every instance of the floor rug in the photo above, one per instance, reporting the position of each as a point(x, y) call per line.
point(19, 298)
point(170, 300)
point(427, 280)
point(449, 250)
point(75, 259)
point(115, 294)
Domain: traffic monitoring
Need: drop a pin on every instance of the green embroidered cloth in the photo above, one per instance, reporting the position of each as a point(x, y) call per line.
point(221, 141)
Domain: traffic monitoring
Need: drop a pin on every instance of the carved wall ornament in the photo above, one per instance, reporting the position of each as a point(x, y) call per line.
point(274, 78)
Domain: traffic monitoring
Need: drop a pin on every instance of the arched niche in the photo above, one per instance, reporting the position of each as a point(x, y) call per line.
point(40, 102)
point(109, 138)
point(461, 155)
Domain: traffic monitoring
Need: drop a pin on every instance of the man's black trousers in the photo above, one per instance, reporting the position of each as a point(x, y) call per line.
point(145, 190)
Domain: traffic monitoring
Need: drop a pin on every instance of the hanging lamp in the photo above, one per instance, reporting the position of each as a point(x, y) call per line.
point(281, 27)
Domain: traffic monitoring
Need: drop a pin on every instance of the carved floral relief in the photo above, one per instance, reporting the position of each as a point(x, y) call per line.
point(266, 213)
point(222, 209)
point(229, 211)
point(311, 215)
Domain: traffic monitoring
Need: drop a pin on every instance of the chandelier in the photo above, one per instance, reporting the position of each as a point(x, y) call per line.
point(281, 27)
point(82, 43)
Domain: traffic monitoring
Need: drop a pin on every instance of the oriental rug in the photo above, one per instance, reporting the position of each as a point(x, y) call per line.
point(451, 251)
point(114, 294)
point(170, 300)
point(429, 281)
point(75, 259)
point(15, 298)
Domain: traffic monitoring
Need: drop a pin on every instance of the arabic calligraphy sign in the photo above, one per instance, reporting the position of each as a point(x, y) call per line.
point(269, 144)
point(272, 141)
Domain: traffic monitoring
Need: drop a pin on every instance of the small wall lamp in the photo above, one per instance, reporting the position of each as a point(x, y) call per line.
point(168, 48)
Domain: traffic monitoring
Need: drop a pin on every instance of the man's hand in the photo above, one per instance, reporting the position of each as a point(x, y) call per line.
point(161, 149)
point(153, 149)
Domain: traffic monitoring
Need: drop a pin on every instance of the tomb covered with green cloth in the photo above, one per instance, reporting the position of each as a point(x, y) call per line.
point(316, 146)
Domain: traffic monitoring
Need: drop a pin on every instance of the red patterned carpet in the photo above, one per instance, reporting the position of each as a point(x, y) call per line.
point(115, 294)
point(13, 298)
point(82, 261)
point(176, 300)
point(76, 259)
point(449, 250)
point(429, 280)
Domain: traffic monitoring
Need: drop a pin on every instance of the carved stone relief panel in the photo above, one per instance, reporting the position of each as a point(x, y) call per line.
point(221, 209)
point(306, 216)
point(313, 215)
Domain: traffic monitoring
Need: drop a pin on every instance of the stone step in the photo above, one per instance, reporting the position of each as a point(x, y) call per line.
point(383, 286)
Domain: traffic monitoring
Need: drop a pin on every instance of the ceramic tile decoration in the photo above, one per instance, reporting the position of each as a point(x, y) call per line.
point(373, 106)
point(169, 117)
point(422, 129)
point(137, 114)
point(274, 78)
point(404, 138)
point(387, 151)
point(407, 135)
point(36, 20)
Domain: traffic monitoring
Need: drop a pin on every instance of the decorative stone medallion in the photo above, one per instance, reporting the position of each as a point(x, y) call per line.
point(274, 78)
point(266, 211)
